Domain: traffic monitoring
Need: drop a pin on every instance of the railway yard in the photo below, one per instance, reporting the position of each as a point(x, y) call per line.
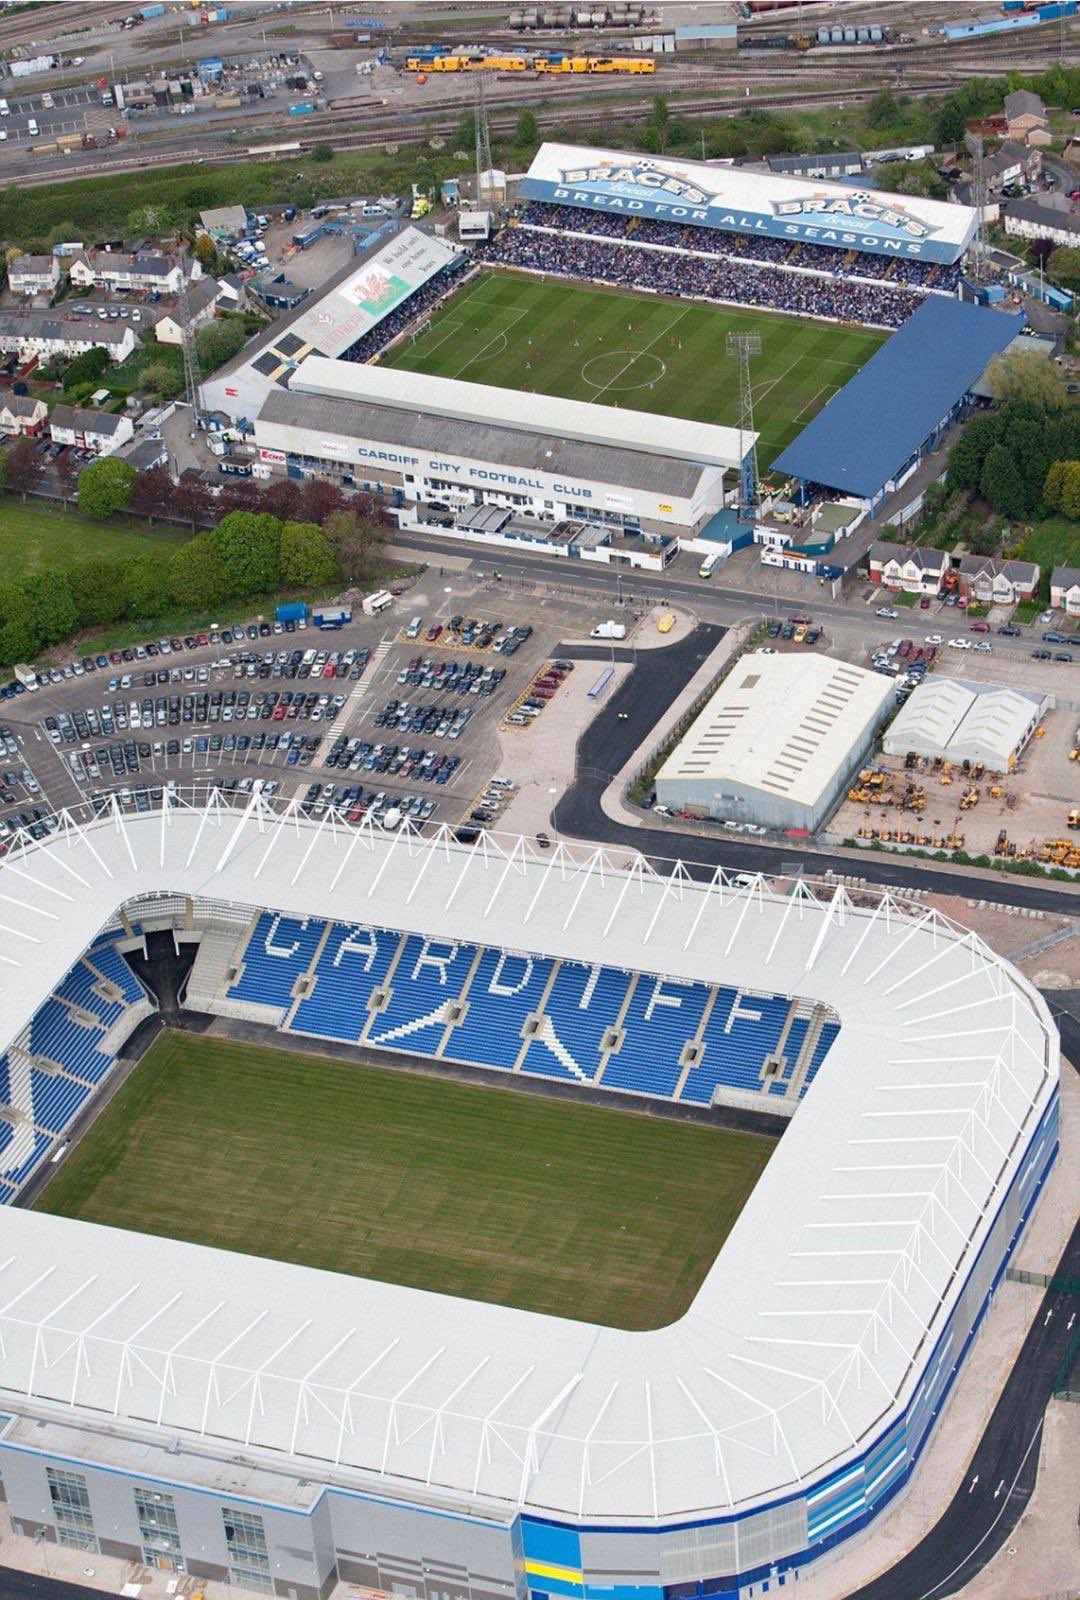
point(361, 95)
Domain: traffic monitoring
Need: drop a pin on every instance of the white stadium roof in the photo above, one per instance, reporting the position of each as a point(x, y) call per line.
point(813, 1326)
point(703, 442)
point(780, 723)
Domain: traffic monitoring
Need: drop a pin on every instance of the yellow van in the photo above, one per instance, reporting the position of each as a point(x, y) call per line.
point(666, 622)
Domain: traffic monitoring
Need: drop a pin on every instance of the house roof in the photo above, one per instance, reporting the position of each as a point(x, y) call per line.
point(863, 437)
point(54, 325)
point(33, 264)
point(201, 294)
point(82, 420)
point(148, 263)
point(990, 566)
point(929, 560)
point(1065, 578)
point(22, 405)
point(1047, 217)
point(1023, 103)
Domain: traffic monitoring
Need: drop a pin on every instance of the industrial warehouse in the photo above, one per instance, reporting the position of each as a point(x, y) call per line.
point(777, 742)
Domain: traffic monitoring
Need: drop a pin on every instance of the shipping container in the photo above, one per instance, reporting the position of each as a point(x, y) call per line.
point(45, 149)
point(228, 102)
point(332, 617)
point(291, 611)
point(70, 141)
point(302, 108)
point(149, 12)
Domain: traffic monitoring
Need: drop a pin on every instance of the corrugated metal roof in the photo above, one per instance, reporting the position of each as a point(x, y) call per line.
point(546, 414)
point(784, 724)
point(871, 427)
point(490, 443)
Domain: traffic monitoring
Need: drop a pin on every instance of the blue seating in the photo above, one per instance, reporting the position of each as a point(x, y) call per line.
point(111, 964)
point(5, 1082)
point(504, 991)
point(78, 987)
point(582, 1006)
point(17, 1176)
point(661, 1019)
point(56, 1099)
point(741, 1031)
point(279, 950)
point(354, 961)
point(821, 1050)
point(54, 1033)
point(430, 973)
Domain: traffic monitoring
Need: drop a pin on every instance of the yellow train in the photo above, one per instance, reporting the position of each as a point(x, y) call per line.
point(477, 62)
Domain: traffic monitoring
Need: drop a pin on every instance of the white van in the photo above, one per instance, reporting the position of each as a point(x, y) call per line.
point(5, 109)
point(709, 564)
point(374, 603)
point(32, 128)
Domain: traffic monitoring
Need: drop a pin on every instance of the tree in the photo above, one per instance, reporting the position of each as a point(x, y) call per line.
point(1054, 486)
point(238, 494)
point(249, 544)
point(163, 380)
point(321, 499)
point(105, 487)
point(205, 251)
point(196, 575)
point(354, 542)
point(50, 604)
point(151, 492)
point(190, 499)
point(3, 469)
point(883, 110)
point(1024, 375)
point(1041, 250)
point(969, 452)
point(1001, 483)
point(86, 368)
point(527, 131)
point(219, 341)
point(145, 588)
point(98, 588)
point(912, 177)
point(950, 125)
point(1070, 490)
point(66, 470)
point(282, 497)
point(323, 153)
point(307, 560)
point(1064, 265)
point(23, 468)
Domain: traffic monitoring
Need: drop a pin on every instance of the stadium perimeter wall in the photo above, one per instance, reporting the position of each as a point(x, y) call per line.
point(424, 1545)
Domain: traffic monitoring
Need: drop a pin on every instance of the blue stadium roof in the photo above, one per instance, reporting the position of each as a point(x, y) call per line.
point(868, 430)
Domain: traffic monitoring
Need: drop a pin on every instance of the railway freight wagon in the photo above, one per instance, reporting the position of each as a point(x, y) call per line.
point(617, 16)
point(477, 61)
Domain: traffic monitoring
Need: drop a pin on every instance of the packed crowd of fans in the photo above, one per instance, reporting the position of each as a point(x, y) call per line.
point(422, 300)
point(900, 270)
point(709, 278)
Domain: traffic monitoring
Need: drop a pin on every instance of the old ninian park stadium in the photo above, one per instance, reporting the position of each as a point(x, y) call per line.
point(280, 1427)
point(608, 483)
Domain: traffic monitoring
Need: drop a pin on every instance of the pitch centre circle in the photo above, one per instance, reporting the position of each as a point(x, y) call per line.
point(616, 370)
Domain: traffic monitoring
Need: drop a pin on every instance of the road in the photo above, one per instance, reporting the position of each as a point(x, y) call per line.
point(1001, 1477)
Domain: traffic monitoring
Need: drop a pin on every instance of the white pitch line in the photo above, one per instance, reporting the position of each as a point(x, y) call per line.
point(809, 403)
point(485, 348)
point(644, 351)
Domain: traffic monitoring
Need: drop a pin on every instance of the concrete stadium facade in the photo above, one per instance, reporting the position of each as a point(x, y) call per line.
point(279, 1427)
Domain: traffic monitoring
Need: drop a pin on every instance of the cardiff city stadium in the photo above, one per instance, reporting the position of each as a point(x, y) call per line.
point(566, 371)
point(594, 1352)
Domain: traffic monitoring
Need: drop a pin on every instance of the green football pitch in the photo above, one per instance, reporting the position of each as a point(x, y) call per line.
point(606, 1215)
point(636, 351)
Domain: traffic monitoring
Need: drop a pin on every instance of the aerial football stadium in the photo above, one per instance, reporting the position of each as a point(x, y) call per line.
point(571, 348)
point(232, 1415)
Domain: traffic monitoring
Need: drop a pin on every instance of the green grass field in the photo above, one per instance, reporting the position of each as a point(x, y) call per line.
point(34, 537)
point(606, 1215)
point(636, 351)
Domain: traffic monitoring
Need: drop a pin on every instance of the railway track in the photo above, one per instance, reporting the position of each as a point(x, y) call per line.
point(370, 138)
